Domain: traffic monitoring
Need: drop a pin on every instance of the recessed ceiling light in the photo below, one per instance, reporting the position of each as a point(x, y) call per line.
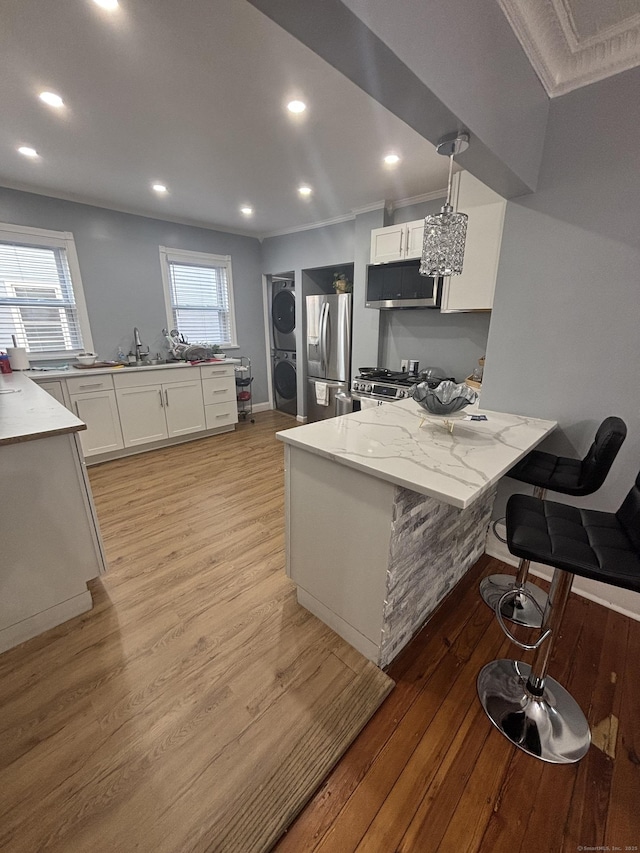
point(296, 106)
point(110, 5)
point(52, 99)
point(28, 152)
point(246, 210)
point(391, 159)
point(304, 190)
point(159, 188)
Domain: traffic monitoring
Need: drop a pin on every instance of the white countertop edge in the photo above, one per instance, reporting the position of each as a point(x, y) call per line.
point(28, 412)
point(40, 375)
point(461, 494)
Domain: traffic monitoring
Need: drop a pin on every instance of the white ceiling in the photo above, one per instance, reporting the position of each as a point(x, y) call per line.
point(193, 94)
point(572, 43)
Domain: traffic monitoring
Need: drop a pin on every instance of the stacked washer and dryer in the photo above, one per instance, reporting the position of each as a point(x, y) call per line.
point(283, 337)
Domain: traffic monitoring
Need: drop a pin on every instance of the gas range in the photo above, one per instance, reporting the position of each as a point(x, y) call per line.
point(381, 384)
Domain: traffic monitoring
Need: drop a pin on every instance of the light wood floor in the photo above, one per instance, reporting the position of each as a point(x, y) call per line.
point(107, 722)
point(188, 708)
point(430, 773)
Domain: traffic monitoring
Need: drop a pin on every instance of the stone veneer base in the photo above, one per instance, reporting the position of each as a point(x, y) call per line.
point(433, 544)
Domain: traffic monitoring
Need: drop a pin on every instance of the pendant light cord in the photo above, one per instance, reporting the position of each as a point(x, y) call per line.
point(449, 182)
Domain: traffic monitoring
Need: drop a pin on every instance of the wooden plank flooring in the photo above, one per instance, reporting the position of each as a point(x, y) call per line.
point(109, 724)
point(197, 700)
point(430, 773)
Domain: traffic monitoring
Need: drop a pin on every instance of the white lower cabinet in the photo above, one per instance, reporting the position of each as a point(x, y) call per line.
point(55, 389)
point(142, 415)
point(99, 412)
point(184, 408)
point(219, 392)
point(127, 409)
point(167, 409)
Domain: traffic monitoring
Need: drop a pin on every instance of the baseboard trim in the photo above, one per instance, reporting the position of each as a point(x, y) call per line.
point(34, 625)
point(262, 407)
point(621, 600)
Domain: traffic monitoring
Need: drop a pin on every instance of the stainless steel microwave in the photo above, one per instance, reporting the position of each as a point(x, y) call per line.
point(400, 285)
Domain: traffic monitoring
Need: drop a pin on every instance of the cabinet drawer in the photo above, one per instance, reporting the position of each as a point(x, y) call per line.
point(220, 415)
point(209, 371)
point(84, 384)
point(219, 390)
point(156, 376)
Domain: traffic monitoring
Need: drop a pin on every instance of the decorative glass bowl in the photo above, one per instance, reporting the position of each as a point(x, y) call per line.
point(446, 399)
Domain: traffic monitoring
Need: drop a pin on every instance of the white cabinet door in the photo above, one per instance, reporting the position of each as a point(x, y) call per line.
point(142, 414)
point(414, 239)
point(99, 412)
point(474, 289)
point(397, 242)
point(55, 389)
point(184, 407)
point(388, 244)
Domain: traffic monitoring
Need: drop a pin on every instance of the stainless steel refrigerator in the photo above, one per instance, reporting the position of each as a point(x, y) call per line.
point(328, 353)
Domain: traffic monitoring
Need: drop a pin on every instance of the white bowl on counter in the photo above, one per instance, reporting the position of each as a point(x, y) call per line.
point(86, 358)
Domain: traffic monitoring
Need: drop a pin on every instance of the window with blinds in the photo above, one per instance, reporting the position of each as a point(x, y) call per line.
point(38, 305)
point(199, 296)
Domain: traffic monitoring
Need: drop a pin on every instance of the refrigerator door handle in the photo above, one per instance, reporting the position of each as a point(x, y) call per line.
point(344, 338)
point(325, 341)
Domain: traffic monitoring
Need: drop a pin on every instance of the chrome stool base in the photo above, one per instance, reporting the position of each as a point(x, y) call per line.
point(517, 609)
point(550, 727)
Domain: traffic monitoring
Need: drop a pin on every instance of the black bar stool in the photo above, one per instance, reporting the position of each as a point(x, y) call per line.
point(568, 476)
point(531, 709)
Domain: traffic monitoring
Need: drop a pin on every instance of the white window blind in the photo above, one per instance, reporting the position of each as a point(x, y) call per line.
point(200, 296)
point(37, 301)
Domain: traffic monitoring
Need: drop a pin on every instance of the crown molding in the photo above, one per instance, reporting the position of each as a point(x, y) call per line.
point(562, 58)
point(132, 211)
point(295, 229)
point(419, 199)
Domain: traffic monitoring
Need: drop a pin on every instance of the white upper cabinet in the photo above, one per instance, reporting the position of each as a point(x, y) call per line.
point(474, 289)
point(397, 242)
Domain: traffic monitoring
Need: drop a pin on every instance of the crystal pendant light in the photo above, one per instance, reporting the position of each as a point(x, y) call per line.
point(445, 232)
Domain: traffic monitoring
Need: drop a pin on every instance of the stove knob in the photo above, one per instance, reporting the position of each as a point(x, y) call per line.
point(368, 388)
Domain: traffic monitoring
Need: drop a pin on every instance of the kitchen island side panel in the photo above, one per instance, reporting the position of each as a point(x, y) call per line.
point(433, 544)
point(338, 531)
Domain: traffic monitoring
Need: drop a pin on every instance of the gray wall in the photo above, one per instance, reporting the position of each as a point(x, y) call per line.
point(120, 267)
point(564, 340)
point(453, 342)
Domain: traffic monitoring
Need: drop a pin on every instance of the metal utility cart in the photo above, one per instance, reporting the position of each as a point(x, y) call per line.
point(244, 378)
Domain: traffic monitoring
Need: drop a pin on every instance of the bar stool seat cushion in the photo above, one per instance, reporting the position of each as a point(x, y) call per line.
point(557, 473)
point(577, 477)
point(586, 542)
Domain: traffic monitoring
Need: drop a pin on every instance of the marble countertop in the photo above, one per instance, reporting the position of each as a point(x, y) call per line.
point(27, 412)
point(65, 373)
point(401, 443)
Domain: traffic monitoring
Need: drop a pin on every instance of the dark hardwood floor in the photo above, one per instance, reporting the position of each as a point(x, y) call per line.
point(430, 773)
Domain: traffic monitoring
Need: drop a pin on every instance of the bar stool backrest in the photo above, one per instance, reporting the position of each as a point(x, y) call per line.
point(629, 514)
point(598, 461)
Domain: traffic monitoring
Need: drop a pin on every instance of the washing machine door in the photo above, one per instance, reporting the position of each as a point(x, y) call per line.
point(284, 379)
point(283, 314)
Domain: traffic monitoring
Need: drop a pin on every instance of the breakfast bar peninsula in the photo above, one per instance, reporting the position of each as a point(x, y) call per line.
point(386, 510)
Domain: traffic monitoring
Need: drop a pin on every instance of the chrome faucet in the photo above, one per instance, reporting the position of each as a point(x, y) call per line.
point(137, 342)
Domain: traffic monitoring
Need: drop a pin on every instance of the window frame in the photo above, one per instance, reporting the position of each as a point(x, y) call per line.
point(186, 256)
point(29, 236)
